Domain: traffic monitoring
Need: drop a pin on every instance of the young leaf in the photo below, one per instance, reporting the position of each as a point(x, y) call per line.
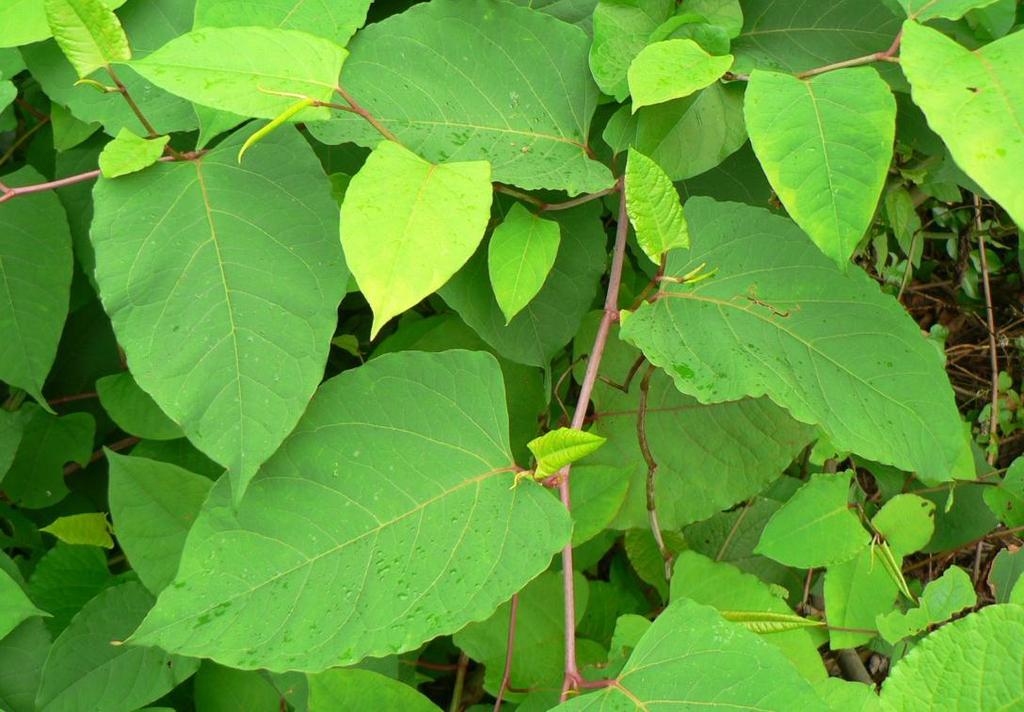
point(133, 409)
point(334, 21)
point(237, 69)
point(559, 448)
point(520, 255)
point(907, 522)
point(672, 69)
point(942, 598)
point(395, 481)
point(653, 206)
point(816, 527)
point(621, 30)
point(129, 153)
point(924, 10)
point(825, 144)
point(409, 225)
point(89, 34)
point(90, 529)
point(243, 274)
point(827, 346)
point(352, 689)
point(15, 606)
point(974, 101)
point(35, 261)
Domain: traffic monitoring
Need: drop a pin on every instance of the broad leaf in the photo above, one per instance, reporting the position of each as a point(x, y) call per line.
point(84, 671)
point(35, 267)
point(942, 598)
point(558, 448)
point(520, 256)
point(429, 75)
point(24, 21)
point(779, 319)
point(22, 655)
point(409, 225)
point(977, 660)
point(89, 529)
point(133, 410)
point(825, 145)
point(690, 658)
point(974, 101)
point(653, 206)
point(1007, 499)
point(621, 30)
point(336, 21)
point(924, 10)
point(200, 67)
point(725, 13)
point(856, 592)
point(12, 426)
point(363, 689)
point(129, 153)
point(242, 274)
point(1005, 573)
point(220, 689)
point(65, 579)
point(672, 69)
point(88, 32)
point(15, 606)
point(907, 521)
point(35, 478)
point(412, 451)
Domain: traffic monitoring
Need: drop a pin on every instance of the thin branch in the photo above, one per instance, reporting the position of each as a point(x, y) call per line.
point(518, 194)
point(460, 681)
point(22, 139)
point(358, 108)
point(123, 91)
point(993, 433)
point(506, 675)
point(888, 55)
point(550, 207)
point(72, 398)
point(630, 375)
point(652, 470)
point(98, 455)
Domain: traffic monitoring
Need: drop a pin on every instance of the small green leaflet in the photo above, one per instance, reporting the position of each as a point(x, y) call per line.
point(621, 30)
point(924, 10)
point(129, 153)
point(408, 225)
point(258, 76)
point(89, 34)
point(907, 522)
point(974, 101)
point(825, 145)
point(672, 69)
point(942, 598)
point(91, 529)
point(520, 256)
point(653, 206)
point(15, 606)
point(558, 448)
point(766, 622)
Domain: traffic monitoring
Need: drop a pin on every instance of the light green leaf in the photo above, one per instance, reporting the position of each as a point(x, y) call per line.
point(856, 592)
point(829, 347)
point(91, 529)
point(435, 87)
point(825, 145)
point(691, 26)
point(907, 522)
point(24, 21)
point(400, 472)
point(22, 655)
point(1005, 574)
point(520, 256)
point(220, 689)
point(65, 579)
point(725, 13)
point(846, 696)
point(88, 32)
point(745, 599)
point(653, 206)
point(363, 689)
point(129, 153)
point(690, 658)
point(924, 10)
point(68, 131)
point(629, 629)
point(672, 69)
point(1007, 499)
point(84, 671)
point(133, 409)
point(409, 225)
point(332, 20)
point(942, 598)
point(621, 30)
point(35, 478)
point(153, 505)
point(564, 446)
point(15, 606)
point(977, 661)
point(8, 92)
point(235, 69)
point(242, 273)
point(35, 266)
point(816, 527)
point(974, 101)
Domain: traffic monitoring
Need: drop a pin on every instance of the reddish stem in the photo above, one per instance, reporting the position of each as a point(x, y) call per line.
point(98, 455)
point(506, 675)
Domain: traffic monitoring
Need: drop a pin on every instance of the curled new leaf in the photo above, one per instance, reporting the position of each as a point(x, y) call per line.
point(558, 448)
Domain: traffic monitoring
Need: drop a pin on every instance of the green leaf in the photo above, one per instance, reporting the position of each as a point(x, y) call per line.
point(153, 505)
point(621, 30)
point(816, 527)
point(84, 671)
point(24, 21)
point(643, 552)
point(1005, 574)
point(845, 696)
point(91, 529)
point(15, 606)
point(65, 579)
point(974, 101)
point(562, 447)
point(88, 32)
point(129, 153)
point(36, 476)
point(8, 92)
point(725, 13)
point(690, 657)
point(907, 521)
point(653, 206)
point(672, 69)
point(237, 69)
point(856, 592)
point(977, 660)
point(22, 655)
point(1006, 500)
point(409, 225)
point(629, 629)
point(434, 86)
point(924, 10)
point(827, 346)
point(12, 426)
point(334, 21)
point(745, 599)
point(395, 481)
point(68, 131)
point(242, 273)
point(220, 689)
point(520, 256)
point(942, 598)
point(133, 409)
point(825, 145)
point(363, 689)
point(35, 267)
